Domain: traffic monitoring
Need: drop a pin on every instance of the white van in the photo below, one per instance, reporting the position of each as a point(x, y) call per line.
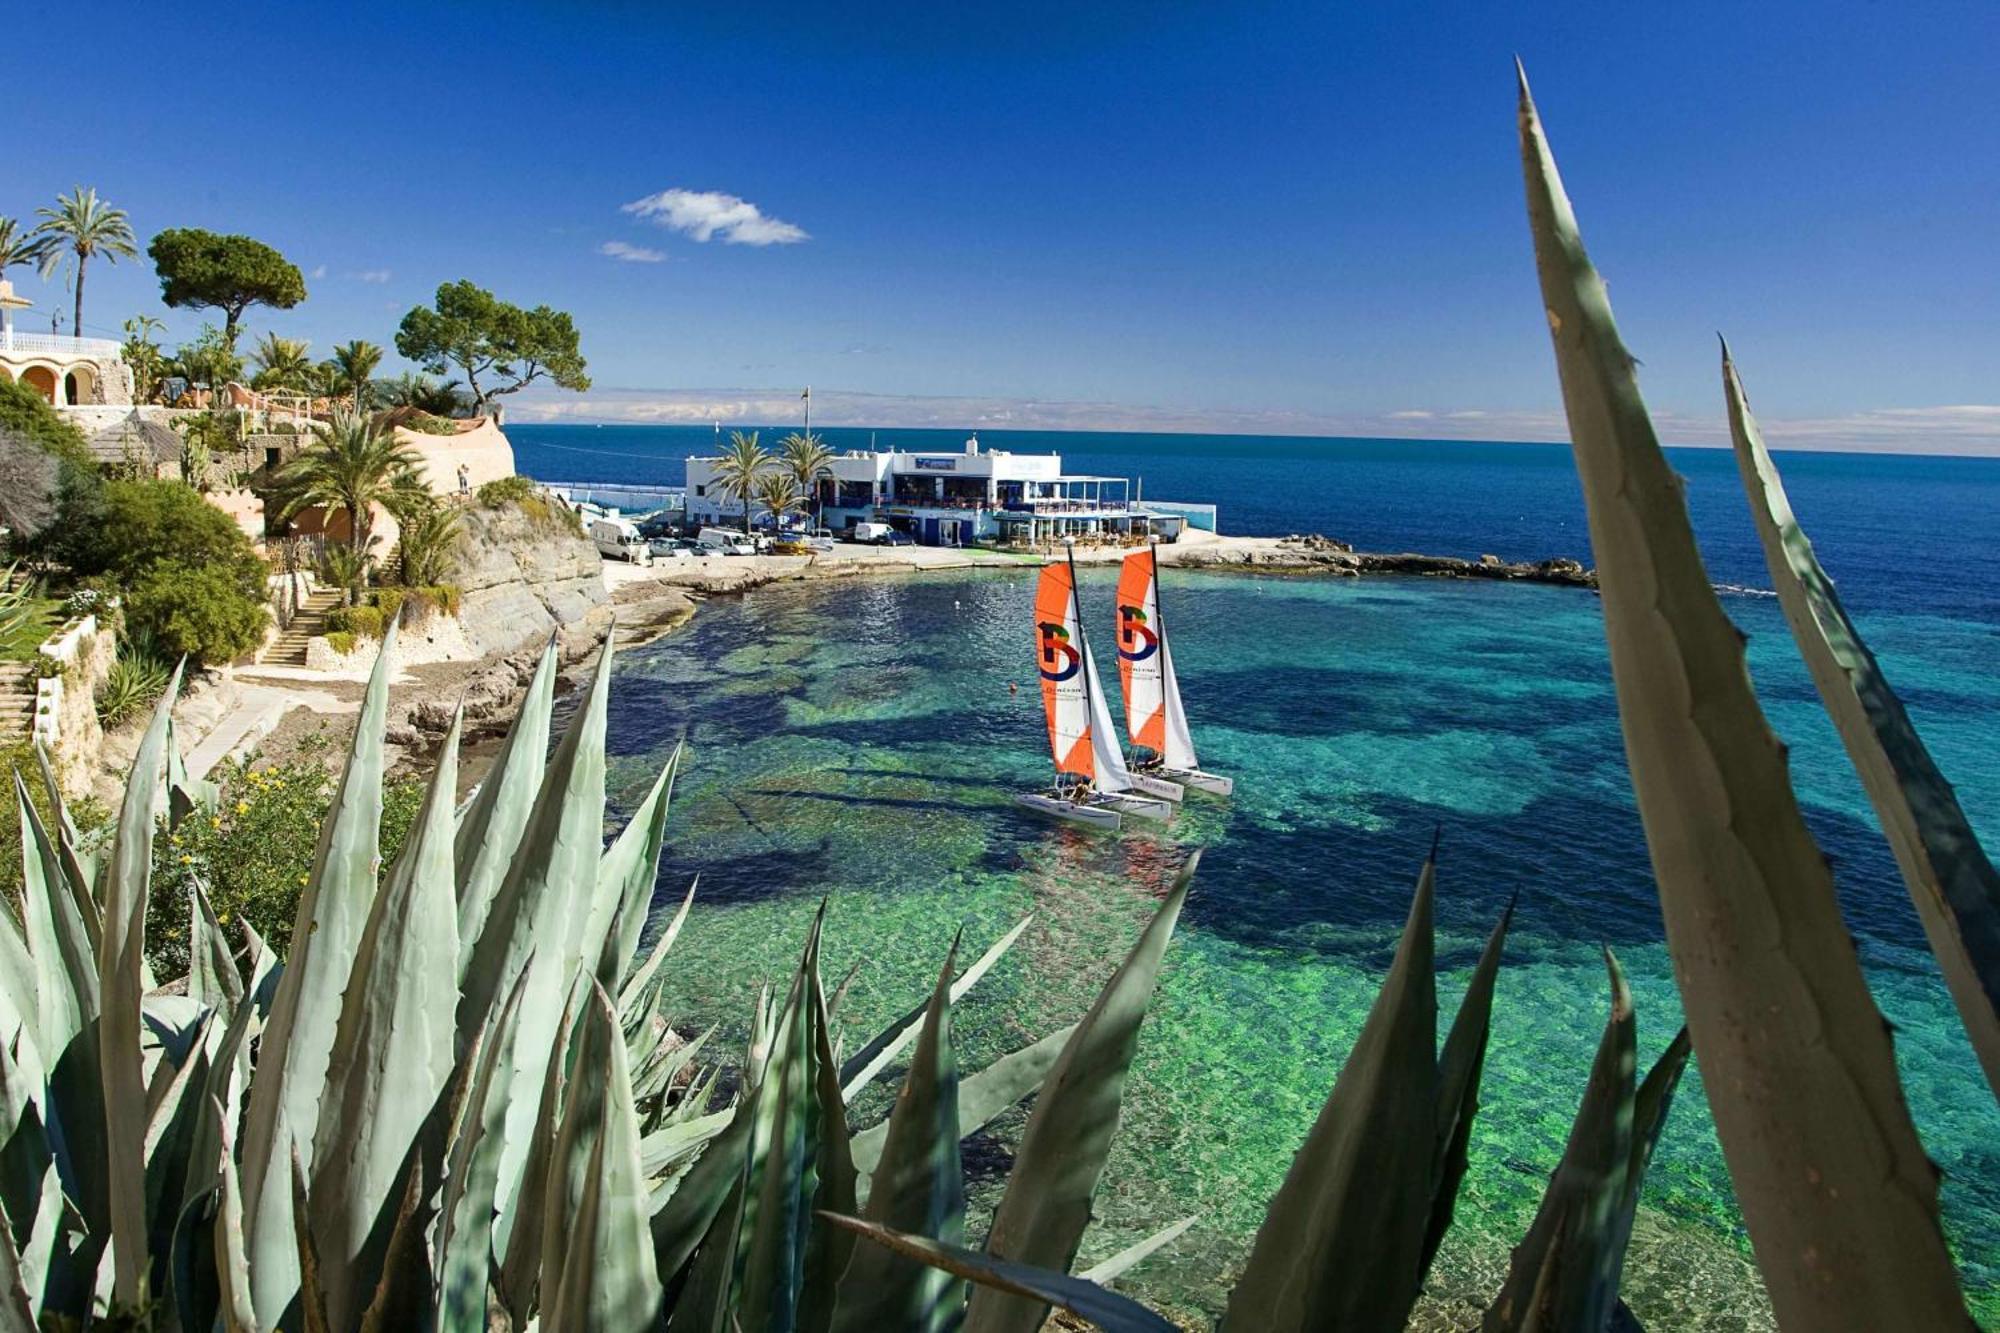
point(869, 534)
point(724, 541)
point(617, 539)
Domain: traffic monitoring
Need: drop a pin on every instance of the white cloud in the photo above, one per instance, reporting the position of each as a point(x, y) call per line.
point(631, 254)
point(374, 275)
point(319, 271)
point(703, 214)
point(1963, 429)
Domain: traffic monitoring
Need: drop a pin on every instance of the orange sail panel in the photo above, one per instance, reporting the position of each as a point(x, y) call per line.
point(1139, 652)
point(1059, 658)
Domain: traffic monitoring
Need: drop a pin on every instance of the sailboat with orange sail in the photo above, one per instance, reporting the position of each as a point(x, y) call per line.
point(1092, 786)
point(1153, 715)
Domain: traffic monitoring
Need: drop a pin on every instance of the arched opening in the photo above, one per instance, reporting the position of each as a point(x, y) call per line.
point(42, 380)
point(79, 386)
point(6, 375)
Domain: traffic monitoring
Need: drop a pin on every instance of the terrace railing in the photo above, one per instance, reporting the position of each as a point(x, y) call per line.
point(58, 344)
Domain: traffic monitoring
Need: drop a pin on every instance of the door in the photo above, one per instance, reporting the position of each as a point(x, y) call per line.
point(930, 532)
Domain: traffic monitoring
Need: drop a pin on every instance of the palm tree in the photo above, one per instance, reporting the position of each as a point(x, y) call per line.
point(418, 390)
point(142, 354)
point(83, 225)
point(736, 472)
point(779, 494)
point(805, 460)
point(353, 363)
point(355, 465)
point(282, 363)
point(425, 548)
point(16, 246)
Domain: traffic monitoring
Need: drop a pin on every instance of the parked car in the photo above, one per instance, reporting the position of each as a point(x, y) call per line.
point(617, 539)
point(672, 548)
point(724, 541)
point(819, 539)
point(895, 538)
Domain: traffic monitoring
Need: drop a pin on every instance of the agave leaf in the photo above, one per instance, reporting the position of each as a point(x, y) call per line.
point(232, 1257)
point(642, 976)
point(918, 1187)
point(120, 972)
point(282, 1118)
point(661, 1150)
point(608, 1283)
point(66, 983)
point(862, 1067)
point(79, 871)
point(1132, 1255)
point(630, 869)
point(982, 1097)
point(1032, 1286)
point(625, 876)
point(828, 1248)
point(1046, 1205)
point(680, 1225)
point(1649, 1116)
point(1459, 1071)
point(1954, 886)
point(533, 927)
point(220, 1100)
point(1841, 1203)
point(19, 980)
point(518, 1231)
point(1342, 1244)
point(172, 1131)
point(15, 1314)
point(212, 975)
point(1564, 1273)
point(490, 832)
point(392, 1053)
point(311, 1302)
point(30, 1191)
point(663, 1066)
point(576, 1139)
point(465, 1228)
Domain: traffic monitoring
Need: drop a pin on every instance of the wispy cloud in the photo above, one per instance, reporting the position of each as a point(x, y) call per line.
point(631, 254)
point(1959, 429)
point(374, 275)
point(319, 271)
point(702, 215)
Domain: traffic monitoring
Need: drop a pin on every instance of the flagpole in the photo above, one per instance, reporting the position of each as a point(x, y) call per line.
point(808, 395)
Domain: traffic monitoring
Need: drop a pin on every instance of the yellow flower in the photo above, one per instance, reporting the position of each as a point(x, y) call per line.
point(243, 807)
point(186, 860)
point(215, 822)
point(302, 879)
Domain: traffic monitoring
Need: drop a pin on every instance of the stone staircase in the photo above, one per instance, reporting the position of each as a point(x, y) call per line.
point(290, 649)
point(17, 700)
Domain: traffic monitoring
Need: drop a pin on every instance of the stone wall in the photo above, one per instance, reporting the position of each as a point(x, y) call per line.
point(66, 705)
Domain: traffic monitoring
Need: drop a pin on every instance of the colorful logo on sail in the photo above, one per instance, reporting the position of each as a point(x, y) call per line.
point(1059, 660)
point(1136, 642)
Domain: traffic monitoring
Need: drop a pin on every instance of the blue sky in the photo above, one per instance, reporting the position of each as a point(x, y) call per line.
point(1295, 217)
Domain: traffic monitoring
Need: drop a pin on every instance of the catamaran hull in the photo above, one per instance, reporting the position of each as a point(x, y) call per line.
point(1212, 783)
point(1139, 807)
point(1160, 787)
point(1071, 812)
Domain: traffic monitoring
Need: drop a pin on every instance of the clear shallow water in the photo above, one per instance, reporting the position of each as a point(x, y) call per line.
point(860, 740)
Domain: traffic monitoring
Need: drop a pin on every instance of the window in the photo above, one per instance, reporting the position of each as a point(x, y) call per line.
point(701, 490)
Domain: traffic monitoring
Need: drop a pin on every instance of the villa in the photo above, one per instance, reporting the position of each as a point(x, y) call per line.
point(68, 372)
point(957, 499)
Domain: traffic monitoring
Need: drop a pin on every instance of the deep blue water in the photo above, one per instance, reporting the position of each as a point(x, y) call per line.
point(860, 740)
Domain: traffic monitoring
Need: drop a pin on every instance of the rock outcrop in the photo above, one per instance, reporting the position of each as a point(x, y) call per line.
point(523, 577)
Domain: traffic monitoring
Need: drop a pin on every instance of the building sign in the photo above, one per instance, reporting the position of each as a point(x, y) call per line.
point(936, 464)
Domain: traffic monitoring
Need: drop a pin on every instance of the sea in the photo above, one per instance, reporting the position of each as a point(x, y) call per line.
point(860, 742)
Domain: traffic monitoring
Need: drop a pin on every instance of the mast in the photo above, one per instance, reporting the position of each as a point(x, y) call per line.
point(1082, 637)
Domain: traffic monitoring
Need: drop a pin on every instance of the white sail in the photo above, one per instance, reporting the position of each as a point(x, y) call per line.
point(1153, 712)
point(1178, 750)
point(1112, 775)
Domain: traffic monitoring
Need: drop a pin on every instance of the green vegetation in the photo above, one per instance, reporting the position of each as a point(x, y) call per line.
point(519, 492)
point(17, 247)
point(202, 270)
point(48, 476)
point(354, 465)
point(251, 850)
point(428, 424)
point(740, 469)
point(350, 368)
point(191, 580)
point(342, 641)
point(779, 495)
point(363, 621)
point(283, 363)
point(211, 359)
point(134, 682)
point(805, 459)
point(142, 353)
point(80, 227)
point(470, 329)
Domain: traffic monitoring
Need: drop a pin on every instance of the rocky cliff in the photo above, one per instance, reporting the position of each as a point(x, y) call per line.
point(522, 576)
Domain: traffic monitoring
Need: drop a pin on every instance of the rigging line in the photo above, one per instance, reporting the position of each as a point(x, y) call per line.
point(601, 453)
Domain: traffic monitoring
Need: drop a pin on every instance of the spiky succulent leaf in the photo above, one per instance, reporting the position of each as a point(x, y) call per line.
point(1342, 1243)
point(66, 981)
point(630, 868)
point(518, 1229)
point(1459, 1071)
point(30, 1191)
point(861, 1068)
point(918, 1187)
point(1954, 886)
point(212, 975)
point(465, 1229)
point(534, 925)
point(1046, 1205)
point(298, 1035)
point(1133, 1255)
point(392, 1053)
point(1564, 1273)
point(641, 976)
point(1840, 1203)
point(232, 1255)
point(490, 832)
point(1028, 1285)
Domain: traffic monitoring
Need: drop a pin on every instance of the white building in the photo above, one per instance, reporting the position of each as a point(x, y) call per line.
point(954, 499)
point(69, 372)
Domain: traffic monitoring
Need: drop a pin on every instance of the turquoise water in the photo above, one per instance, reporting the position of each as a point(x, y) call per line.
point(861, 741)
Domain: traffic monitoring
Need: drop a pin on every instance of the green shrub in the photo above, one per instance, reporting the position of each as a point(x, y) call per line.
point(442, 597)
point(91, 817)
point(48, 668)
point(342, 641)
point(52, 477)
point(427, 424)
point(253, 853)
point(148, 522)
point(361, 621)
point(504, 491)
point(389, 601)
point(133, 683)
point(206, 613)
